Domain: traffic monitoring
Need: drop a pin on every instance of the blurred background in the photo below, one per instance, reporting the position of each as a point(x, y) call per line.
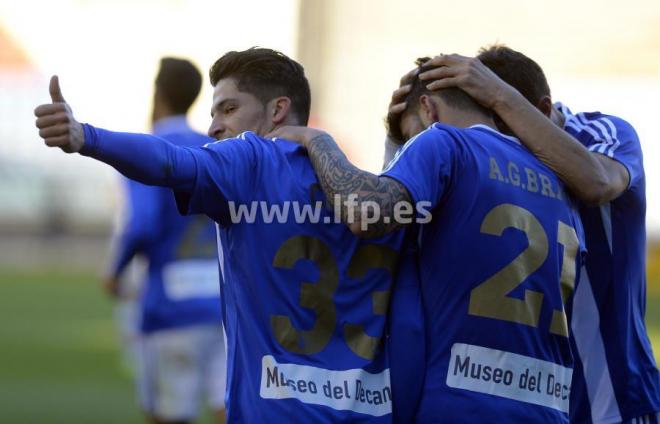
point(59, 349)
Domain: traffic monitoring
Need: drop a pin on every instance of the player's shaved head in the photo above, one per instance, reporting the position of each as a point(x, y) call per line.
point(266, 74)
point(454, 97)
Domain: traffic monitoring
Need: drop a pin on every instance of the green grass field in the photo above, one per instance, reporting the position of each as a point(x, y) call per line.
point(59, 358)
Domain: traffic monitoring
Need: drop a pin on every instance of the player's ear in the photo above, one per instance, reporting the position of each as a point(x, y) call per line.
point(545, 106)
point(429, 109)
point(280, 109)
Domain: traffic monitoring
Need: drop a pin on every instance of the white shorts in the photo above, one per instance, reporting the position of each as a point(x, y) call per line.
point(179, 368)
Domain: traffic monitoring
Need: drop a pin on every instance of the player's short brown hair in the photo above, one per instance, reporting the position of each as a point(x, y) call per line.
point(266, 74)
point(517, 70)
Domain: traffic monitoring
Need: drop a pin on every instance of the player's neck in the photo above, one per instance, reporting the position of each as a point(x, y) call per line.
point(160, 111)
point(466, 119)
point(289, 121)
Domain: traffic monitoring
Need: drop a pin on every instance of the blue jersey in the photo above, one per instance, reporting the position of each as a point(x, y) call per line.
point(497, 266)
point(615, 377)
point(405, 342)
point(305, 300)
point(181, 287)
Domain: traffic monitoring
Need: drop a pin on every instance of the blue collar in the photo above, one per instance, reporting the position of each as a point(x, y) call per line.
point(487, 128)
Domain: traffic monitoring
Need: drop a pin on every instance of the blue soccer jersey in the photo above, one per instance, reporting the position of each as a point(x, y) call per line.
point(181, 287)
point(615, 377)
point(405, 342)
point(497, 266)
point(305, 299)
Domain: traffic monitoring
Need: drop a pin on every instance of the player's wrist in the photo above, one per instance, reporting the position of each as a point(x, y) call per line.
point(78, 137)
point(312, 136)
point(506, 98)
point(87, 142)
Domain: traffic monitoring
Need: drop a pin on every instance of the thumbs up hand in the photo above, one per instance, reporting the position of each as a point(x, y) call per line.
point(55, 90)
point(56, 123)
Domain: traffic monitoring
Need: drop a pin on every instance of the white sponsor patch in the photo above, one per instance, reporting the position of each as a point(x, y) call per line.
point(509, 375)
point(353, 390)
point(190, 279)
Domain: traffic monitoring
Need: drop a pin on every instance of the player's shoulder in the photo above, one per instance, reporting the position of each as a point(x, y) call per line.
point(436, 144)
point(244, 140)
point(599, 125)
point(616, 124)
point(254, 145)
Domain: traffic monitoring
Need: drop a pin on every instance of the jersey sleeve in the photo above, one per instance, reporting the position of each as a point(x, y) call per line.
point(145, 158)
point(226, 172)
point(424, 165)
point(616, 139)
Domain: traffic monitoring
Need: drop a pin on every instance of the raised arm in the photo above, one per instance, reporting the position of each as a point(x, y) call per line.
point(592, 177)
point(369, 204)
point(144, 158)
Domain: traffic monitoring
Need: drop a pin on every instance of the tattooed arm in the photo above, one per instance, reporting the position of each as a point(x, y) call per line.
point(367, 203)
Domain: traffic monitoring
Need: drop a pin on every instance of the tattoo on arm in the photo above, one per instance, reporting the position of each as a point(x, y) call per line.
point(359, 193)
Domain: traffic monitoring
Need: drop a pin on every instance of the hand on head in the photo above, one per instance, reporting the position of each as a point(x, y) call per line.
point(466, 73)
point(56, 123)
point(398, 100)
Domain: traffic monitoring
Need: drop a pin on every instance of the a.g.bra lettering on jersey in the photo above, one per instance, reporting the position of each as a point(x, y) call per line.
point(349, 390)
point(525, 178)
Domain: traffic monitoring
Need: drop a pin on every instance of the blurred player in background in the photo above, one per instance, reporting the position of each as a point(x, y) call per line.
point(125, 290)
point(182, 357)
point(599, 158)
point(304, 299)
point(496, 263)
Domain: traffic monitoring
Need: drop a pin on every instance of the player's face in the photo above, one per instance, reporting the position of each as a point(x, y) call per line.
point(411, 124)
point(234, 112)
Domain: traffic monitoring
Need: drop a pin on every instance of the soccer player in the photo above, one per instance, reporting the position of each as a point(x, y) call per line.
point(183, 355)
point(304, 299)
point(497, 261)
point(599, 158)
